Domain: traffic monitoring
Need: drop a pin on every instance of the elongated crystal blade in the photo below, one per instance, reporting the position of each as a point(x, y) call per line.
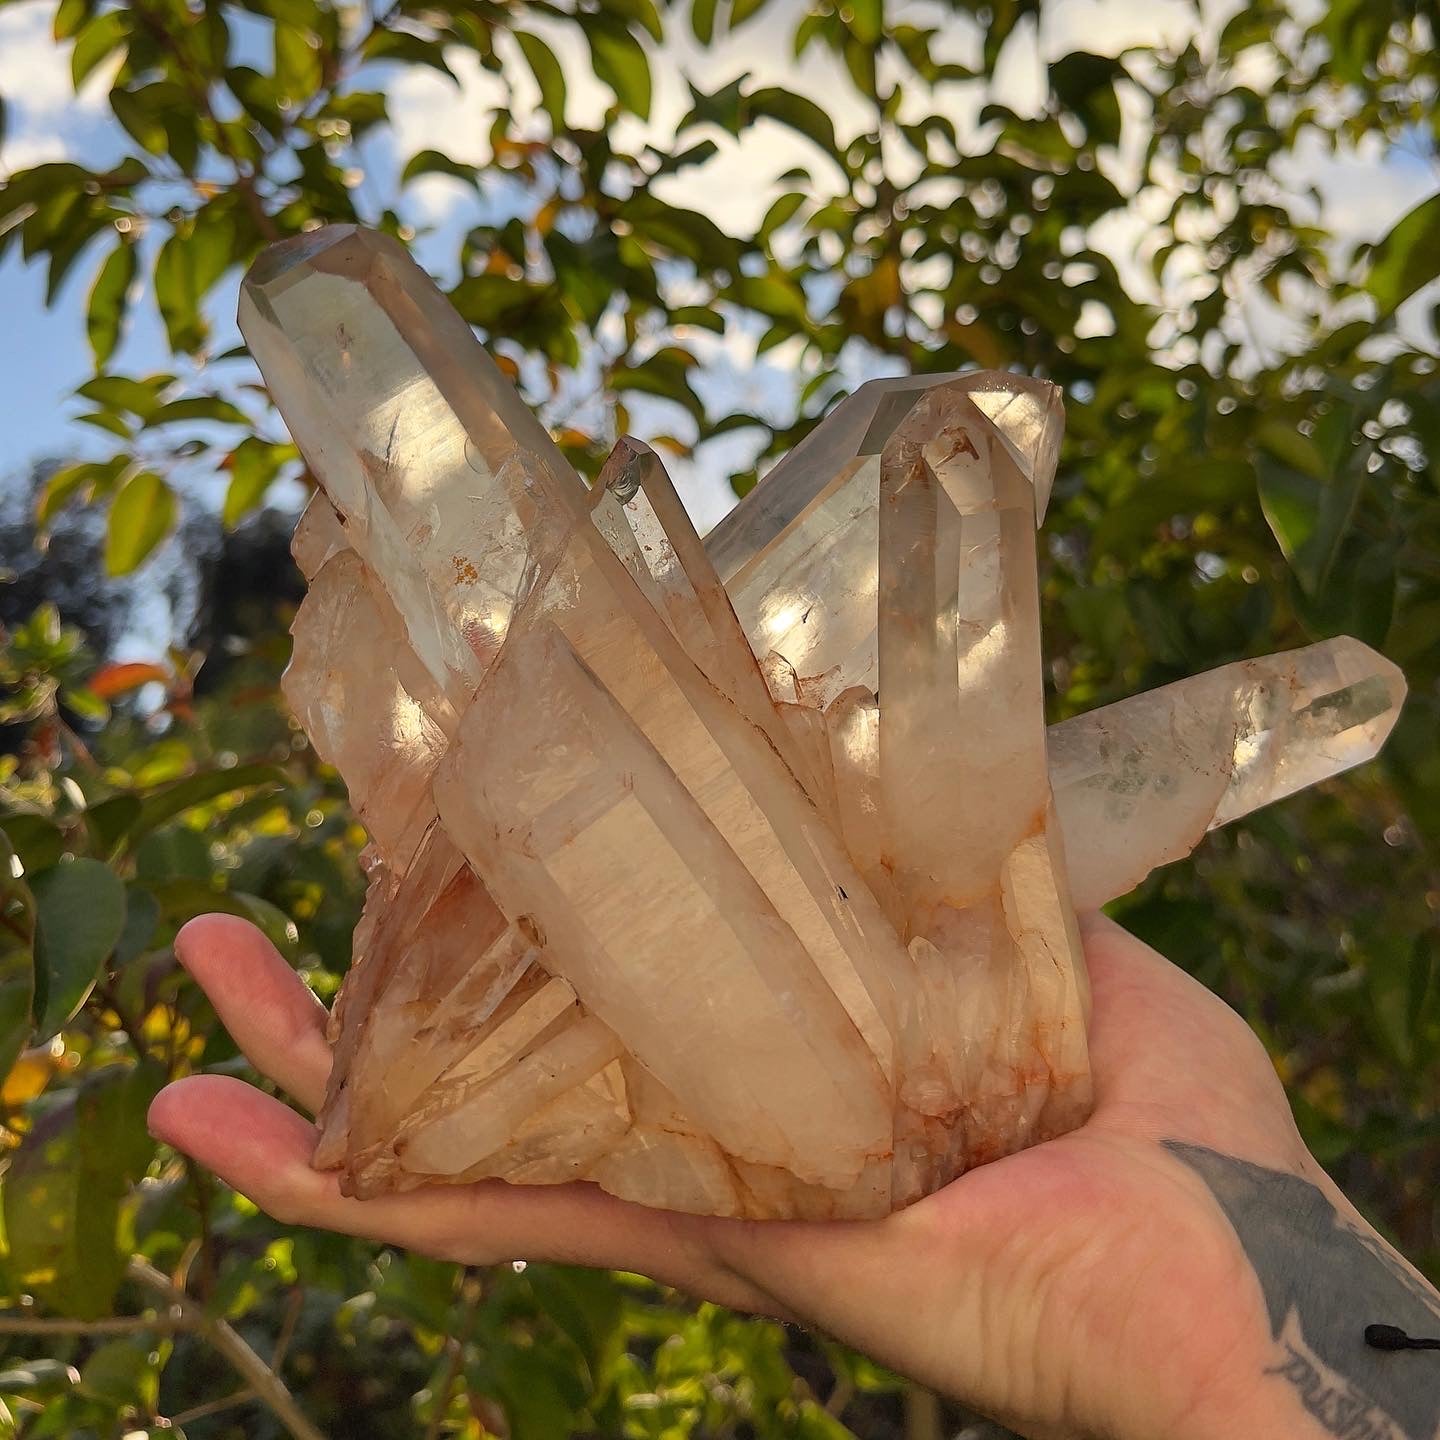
point(1138, 783)
point(661, 847)
point(798, 554)
point(963, 788)
point(414, 434)
point(645, 522)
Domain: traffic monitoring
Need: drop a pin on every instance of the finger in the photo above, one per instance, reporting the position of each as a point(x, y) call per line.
point(268, 1010)
point(262, 1148)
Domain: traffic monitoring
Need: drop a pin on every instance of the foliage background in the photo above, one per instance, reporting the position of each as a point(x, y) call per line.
point(1252, 462)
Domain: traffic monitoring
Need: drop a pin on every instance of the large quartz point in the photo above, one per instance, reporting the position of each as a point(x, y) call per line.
point(737, 877)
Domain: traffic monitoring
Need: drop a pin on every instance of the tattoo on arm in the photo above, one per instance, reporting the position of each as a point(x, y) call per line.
point(1324, 1281)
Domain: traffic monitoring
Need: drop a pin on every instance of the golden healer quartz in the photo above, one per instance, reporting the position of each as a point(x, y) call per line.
point(737, 877)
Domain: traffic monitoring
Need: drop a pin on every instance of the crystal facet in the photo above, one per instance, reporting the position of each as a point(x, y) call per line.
point(737, 877)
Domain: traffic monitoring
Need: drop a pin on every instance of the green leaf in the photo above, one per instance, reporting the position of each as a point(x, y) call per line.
point(782, 210)
point(175, 852)
point(1155, 617)
point(297, 62)
point(105, 311)
point(141, 516)
point(361, 110)
point(95, 477)
point(701, 315)
point(79, 915)
point(63, 1190)
point(199, 407)
point(1310, 516)
point(548, 76)
point(798, 113)
point(1085, 84)
point(142, 915)
point(400, 45)
point(142, 123)
point(196, 789)
point(49, 1377)
point(37, 840)
point(643, 12)
point(774, 295)
point(35, 186)
point(188, 266)
point(620, 62)
point(1291, 446)
point(434, 162)
point(702, 20)
point(253, 465)
point(665, 374)
point(1357, 597)
point(584, 1304)
point(692, 155)
point(106, 420)
point(59, 489)
point(108, 821)
point(867, 19)
point(17, 967)
point(96, 40)
point(269, 919)
point(70, 15)
point(140, 398)
point(1407, 258)
point(119, 1375)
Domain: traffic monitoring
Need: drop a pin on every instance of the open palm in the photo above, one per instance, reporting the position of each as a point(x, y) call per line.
point(1091, 1285)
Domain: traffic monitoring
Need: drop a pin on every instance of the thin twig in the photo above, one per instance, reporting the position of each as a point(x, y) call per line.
point(213, 1407)
point(922, 1414)
point(470, 1289)
point(81, 750)
point(268, 1386)
point(200, 91)
point(111, 1325)
point(287, 1327)
point(205, 1280)
point(840, 1396)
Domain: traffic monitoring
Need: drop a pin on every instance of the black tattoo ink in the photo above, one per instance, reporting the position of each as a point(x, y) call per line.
point(1323, 1280)
point(1392, 1337)
point(1336, 1404)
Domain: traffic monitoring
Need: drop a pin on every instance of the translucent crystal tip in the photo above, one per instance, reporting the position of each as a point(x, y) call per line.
point(278, 260)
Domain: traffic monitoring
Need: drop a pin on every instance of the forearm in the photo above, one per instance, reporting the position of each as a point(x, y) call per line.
point(1325, 1277)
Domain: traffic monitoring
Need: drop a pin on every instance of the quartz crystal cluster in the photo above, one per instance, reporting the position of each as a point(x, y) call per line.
point(737, 877)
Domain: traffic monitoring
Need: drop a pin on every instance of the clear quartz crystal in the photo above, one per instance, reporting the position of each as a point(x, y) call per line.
point(1138, 783)
point(737, 877)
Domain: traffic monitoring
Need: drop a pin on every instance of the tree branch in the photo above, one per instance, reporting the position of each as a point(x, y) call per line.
point(922, 1414)
point(214, 1407)
point(267, 1385)
point(111, 1325)
point(200, 90)
point(470, 1289)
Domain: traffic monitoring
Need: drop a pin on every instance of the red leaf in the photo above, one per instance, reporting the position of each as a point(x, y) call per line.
point(112, 680)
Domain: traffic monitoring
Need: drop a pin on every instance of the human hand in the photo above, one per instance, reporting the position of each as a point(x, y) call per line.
point(1177, 1267)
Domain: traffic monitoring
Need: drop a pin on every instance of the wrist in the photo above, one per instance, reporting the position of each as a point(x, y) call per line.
point(1320, 1276)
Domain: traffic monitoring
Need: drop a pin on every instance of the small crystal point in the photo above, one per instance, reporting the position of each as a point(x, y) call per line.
point(667, 891)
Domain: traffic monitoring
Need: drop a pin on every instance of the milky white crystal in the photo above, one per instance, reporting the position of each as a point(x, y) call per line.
point(738, 877)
